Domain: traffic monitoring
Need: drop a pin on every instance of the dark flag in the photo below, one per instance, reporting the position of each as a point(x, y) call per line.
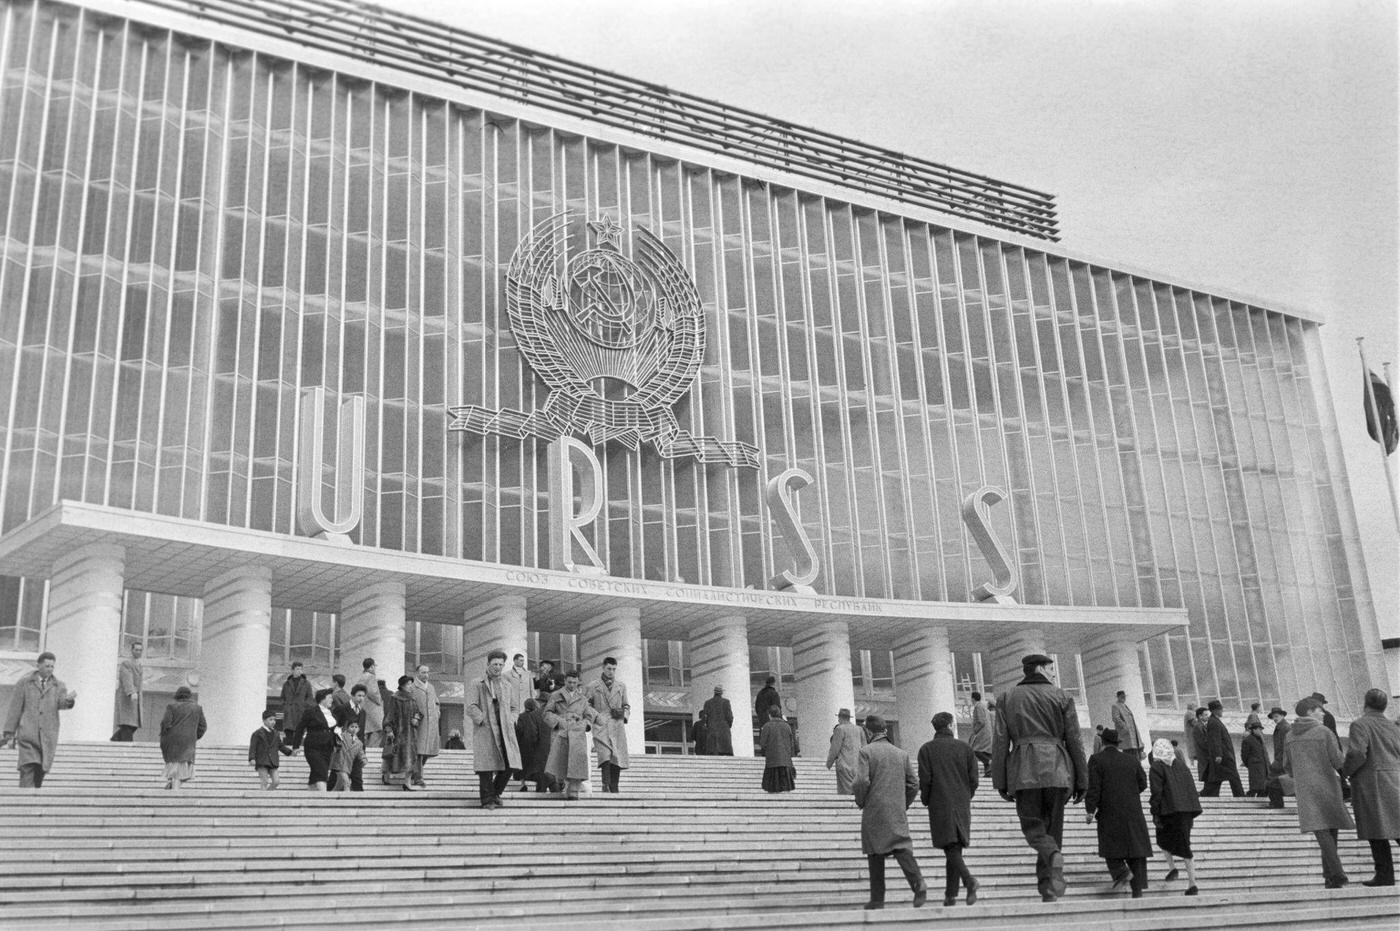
point(1385, 410)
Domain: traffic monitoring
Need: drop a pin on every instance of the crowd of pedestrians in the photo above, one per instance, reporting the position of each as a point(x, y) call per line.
point(544, 729)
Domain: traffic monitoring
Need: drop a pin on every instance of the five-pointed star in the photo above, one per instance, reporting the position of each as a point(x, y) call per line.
point(607, 230)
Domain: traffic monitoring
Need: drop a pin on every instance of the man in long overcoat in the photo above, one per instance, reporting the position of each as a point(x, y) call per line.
point(128, 704)
point(885, 786)
point(1186, 747)
point(947, 781)
point(1312, 757)
point(765, 699)
point(980, 740)
point(425, 699)
point(518, 675)
point(1281, 728)
point(1038, 762)
point(32, 721)
point(1373, 766)
point(491, 702)
point(1255, 759)
point(718, 718)
point(1116, 783)
point(1330, 722)
point(609, 698)
point(846, 741)
point(373, 706)
point(1220, 755)
point(1125, 724)
point(569, 716)
point(1274, 787)
point(296, 698)
point(1198, 743)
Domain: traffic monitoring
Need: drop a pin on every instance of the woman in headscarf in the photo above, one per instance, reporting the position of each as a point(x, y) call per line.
point(318, 734)
point(1175, 805)
point(182, 725)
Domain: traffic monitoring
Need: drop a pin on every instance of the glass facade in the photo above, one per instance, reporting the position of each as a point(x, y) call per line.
point(194, 234)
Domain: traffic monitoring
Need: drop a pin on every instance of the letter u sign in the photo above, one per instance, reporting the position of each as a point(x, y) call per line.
point(348, 479)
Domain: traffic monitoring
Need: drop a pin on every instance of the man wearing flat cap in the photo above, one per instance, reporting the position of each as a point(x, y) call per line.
point(718, 718)
point(1038, 762)
point(846, 741)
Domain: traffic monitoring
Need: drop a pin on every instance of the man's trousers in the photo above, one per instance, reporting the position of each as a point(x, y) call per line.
point(905, 858)
point(1042, 814)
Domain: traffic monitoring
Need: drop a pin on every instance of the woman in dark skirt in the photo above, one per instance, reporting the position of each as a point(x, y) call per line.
point(317, 735)
point(1175, 805)
point(775, 740)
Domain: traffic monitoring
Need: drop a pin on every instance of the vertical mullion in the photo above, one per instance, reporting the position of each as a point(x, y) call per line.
point(1087, 302)
point(29, 252)
point(1082, 530)
point(916, 323)
point(1021, 408)
point(128, 236)
point(64, 365)
point(170, 258)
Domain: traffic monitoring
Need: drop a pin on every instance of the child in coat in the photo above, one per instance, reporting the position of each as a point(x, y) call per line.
point(263, 750)
point(348, 762)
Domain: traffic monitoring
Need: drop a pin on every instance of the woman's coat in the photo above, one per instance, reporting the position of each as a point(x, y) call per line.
point(182, 725)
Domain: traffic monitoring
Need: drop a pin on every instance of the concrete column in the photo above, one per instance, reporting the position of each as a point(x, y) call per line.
point(372, 626)
point(821, 658)
point(233, 653)
point(618, 633)
point(719, 655)
point(1109, 667)
point(83, 631)
point(1002, 663)
point(498, 624)
point(923, 683)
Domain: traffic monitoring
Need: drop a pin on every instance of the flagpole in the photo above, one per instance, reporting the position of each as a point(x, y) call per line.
point(1380, 430)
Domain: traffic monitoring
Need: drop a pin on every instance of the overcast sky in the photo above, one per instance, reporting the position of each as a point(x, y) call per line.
point(1249, 146)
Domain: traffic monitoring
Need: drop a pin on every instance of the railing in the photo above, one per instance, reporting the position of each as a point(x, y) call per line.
point(413, 45)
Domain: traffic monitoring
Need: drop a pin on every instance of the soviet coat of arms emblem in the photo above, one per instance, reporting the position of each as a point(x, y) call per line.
point(618, 340)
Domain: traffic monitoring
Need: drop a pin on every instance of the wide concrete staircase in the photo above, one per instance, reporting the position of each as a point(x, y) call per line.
point(692, 842)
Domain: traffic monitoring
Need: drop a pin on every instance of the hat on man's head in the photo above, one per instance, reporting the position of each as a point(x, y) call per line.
point(874, 723)
point(268, 713)
point(1318, 697)
point(1037, 659)
point(1109, 736)
point(1255, 725)
point(1214, 705)
point(1276, 710)
point(844, 713)
point(719, 689)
